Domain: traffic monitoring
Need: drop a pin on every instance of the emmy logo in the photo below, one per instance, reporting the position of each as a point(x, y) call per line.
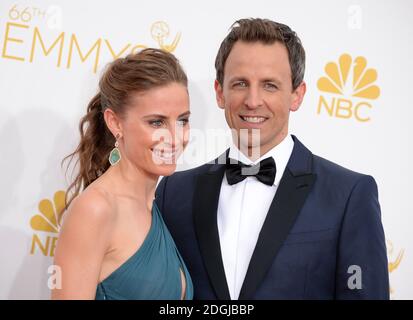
point(160, 32)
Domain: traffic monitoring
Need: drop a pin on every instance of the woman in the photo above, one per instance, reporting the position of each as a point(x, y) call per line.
point(113, 243)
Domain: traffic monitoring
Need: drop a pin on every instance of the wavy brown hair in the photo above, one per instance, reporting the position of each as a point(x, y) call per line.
point(142, 71)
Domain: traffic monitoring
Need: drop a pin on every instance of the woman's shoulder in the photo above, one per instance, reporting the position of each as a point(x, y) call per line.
point(93, 206)
point(87, 227)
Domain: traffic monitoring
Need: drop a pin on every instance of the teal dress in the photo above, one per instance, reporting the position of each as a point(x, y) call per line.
point(152, 273)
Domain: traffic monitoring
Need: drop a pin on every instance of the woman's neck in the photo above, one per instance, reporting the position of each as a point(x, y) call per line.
point(134, 183)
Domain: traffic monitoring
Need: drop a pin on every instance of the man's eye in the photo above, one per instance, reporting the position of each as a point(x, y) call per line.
point(270, 86)
point(156, 123)
point(240, 84)
point(183, 122)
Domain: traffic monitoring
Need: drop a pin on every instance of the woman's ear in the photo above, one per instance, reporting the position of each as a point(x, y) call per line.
point(113, 122)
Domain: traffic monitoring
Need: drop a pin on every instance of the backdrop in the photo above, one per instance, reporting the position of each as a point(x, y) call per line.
point(356, 111)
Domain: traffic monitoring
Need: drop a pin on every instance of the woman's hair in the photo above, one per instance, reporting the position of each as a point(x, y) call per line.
point(139, 72)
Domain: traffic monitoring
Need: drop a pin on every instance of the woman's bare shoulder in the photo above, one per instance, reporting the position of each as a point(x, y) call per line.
point(94, 207)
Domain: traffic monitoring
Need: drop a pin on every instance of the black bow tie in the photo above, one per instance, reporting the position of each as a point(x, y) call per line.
point(264, 171)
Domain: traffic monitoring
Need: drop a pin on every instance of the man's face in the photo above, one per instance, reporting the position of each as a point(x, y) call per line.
point(257, 92)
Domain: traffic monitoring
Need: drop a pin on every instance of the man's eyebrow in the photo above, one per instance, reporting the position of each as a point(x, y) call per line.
point(275, 80)
point(238, 78)
point(268, 79)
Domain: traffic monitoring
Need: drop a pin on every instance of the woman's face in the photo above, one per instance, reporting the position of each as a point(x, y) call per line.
point(155, 129)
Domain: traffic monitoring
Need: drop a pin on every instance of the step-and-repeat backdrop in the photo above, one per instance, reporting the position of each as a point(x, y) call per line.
point(357, 110)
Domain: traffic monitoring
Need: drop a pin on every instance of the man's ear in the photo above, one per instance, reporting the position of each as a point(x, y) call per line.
point(113, 122)
point(219, 94)
point(298, 96)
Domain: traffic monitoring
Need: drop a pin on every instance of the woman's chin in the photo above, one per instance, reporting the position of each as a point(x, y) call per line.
point(165, 162)
point(165, 169)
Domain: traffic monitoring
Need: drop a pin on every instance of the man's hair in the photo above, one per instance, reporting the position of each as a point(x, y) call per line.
point(267, 32)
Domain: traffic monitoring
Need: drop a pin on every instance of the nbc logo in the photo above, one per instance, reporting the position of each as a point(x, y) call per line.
point(348, 78)
point(47, 221)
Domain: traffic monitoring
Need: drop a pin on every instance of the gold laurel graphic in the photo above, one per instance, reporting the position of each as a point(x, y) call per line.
point(393, 265)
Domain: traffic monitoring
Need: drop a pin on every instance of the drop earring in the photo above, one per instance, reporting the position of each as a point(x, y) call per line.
point(114, 156)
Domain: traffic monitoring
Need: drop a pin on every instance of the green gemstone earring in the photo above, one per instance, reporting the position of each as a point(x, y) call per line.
point(114, 156)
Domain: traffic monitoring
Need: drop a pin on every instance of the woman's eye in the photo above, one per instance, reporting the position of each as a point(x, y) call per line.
point(156, 123)
point(183, 122)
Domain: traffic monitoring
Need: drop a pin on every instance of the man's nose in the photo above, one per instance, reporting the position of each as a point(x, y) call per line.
point(254, 98)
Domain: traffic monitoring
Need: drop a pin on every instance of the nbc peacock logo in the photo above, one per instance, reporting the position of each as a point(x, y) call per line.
point(349, 85)
point(46, 224)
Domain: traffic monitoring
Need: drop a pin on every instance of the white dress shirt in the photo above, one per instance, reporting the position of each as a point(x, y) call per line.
point(242, 209)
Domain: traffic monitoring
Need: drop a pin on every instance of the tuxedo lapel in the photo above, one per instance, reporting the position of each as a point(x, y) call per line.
point(295, 185)
point(205, 206)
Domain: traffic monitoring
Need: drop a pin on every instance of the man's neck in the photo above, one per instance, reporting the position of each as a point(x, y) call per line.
point(253, 153)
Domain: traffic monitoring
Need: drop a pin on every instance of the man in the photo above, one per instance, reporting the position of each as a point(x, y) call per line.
point(273, 221)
